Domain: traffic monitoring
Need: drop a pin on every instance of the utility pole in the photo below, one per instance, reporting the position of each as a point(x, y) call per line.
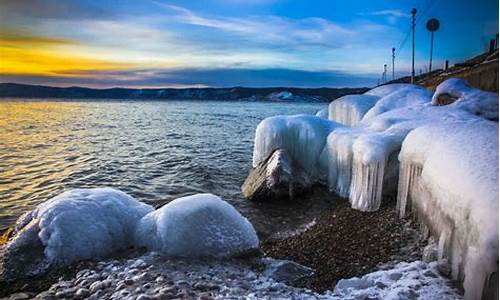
point(385, 73)
point(413, 23)
point(393, 57)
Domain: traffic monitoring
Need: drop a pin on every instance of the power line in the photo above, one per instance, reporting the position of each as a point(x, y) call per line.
point(421, 16)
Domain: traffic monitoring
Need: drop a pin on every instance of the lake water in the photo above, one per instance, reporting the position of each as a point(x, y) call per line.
point(154, 150)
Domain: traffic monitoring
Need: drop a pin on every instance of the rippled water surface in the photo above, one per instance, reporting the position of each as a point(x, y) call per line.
point(155, 151)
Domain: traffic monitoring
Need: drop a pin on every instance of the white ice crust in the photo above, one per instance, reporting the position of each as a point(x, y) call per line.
point(196, 226)
point(459, 163)
point(350, 109)
point(415, 280)
point(322, 113)
point(303, 137)
point(360, 161)
point(84, 224)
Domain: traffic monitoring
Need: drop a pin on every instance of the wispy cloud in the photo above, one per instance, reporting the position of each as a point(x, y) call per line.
point(272, 29)
point(390, 12)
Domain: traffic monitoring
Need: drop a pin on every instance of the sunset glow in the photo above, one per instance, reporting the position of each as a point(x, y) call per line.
point(179, 43)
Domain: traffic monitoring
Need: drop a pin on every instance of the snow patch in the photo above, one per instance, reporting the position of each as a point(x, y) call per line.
point(415, 280)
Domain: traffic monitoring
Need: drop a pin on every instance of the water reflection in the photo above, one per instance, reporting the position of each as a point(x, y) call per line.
point(156, 151)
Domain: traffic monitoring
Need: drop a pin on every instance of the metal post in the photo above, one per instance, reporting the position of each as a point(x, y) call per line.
point(432, 45)
point(385, 72)
point(413, 22)
point(446, 63)
point(492, 46)
point(393, 56)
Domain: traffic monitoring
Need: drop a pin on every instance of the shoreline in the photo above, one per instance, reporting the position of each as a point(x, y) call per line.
point(331, 244)
point(345, 243)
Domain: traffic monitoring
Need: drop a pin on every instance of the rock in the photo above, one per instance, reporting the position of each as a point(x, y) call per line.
point(277, 177)
point(286, 271)
point(24, 254)
point(82, 293)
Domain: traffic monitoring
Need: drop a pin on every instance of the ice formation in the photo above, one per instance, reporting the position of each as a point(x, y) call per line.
point(322, 113)
point(399, 97)
point(196, 226)
point(362, 160)
point(350, 109)
point(81, 224)
point(450, 179)
point(301, 136)
point(465, 97)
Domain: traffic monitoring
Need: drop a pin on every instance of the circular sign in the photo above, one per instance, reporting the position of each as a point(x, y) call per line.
point(432, 25)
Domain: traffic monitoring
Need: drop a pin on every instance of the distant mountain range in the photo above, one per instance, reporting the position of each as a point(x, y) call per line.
point(14, 90)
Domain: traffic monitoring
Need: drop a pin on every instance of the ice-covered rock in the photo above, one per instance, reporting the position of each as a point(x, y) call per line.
point(322, 113)
point(350, 109)
point(278, 177)
point(196, 226)
point(454, 192)
point(75, 225)
point(303, 137)
point(458, 93)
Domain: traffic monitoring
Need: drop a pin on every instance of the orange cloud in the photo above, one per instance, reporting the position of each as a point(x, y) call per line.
point(24, 54)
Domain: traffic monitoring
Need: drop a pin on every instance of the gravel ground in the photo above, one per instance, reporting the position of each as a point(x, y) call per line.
point(151, 277)
point(344, 243)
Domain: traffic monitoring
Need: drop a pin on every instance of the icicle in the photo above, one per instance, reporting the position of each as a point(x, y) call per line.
point(366, 185)
point(408, 176)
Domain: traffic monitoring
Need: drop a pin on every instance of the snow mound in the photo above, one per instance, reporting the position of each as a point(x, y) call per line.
point(458, 177)
point(302, 136)
point(415, 280)
point(81, 224)
point(403, 96)
point(465, 97)
point(350, 109)
point(196, 226)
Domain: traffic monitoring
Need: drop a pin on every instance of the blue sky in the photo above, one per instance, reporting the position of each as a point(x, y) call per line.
point(216, 43)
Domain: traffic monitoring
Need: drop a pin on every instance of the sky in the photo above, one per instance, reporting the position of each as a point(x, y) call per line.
point(225, 43)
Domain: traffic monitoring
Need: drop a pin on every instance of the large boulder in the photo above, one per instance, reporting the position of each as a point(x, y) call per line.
point(76, 225)
point(277, 177)
point(200, 225)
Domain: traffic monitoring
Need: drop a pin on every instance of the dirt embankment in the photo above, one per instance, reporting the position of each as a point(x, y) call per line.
point(480, 72)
